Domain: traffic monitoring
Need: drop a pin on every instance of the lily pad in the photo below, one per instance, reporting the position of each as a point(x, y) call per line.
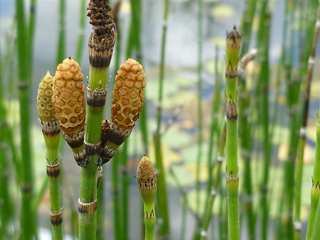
point(183, 176)
point(125, 7)
point(190, 154)
point(184, 80)
point(177, 100)
point(192, 200)
point(177, 138)
point(169, 89)
point(203, 171)
point(222, 11)
point(218, 42)
point(169, 156)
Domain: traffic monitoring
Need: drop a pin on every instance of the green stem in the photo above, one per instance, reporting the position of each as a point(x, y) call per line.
point(80, 42)
point(315, 189)
point(54, 188)
point(214, 125)
point(216, 184)
point(88, 185)
point(264, 115)
point(125, 191)
point(316, 229)
point(199, 89)
point(303, 134)
point(150, 221)
point(100, 209)
point(232, 178)
point(163, 209)
point(62, 34)
point(116, 200)
point(28, 218)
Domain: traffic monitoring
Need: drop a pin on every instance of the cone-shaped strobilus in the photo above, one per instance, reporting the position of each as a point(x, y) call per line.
point(147, 183)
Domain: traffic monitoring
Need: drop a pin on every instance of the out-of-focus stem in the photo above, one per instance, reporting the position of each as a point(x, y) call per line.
point(162, 200)
point(297, 225)
point(216, 184)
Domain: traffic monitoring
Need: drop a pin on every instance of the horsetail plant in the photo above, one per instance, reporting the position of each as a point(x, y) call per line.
point(233, 43)
point(51, 134)
point(91, 153)
point(147, 183)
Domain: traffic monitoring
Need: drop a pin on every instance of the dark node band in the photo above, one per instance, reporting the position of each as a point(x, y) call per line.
point(56, 219)
point(53, 170)
point(231, 75)
point(50, 134)
point(23, 85)
point(92, 149)
point(96, 98)
point(26, 188)
point(99, 62)
point(85, 208)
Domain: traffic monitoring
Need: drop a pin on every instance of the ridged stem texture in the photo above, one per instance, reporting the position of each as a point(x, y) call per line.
point(24, 43)
point(263, 103)
point(245, 132)
point(62, 32)
point(233, 44)
point(199, 105)
point(215, 186)
point(315, 189)
point(302, 141)
point(162, 200)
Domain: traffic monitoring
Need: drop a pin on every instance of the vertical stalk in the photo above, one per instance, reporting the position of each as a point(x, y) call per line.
point(216, 184)
point(117, 216)
point(62, 32)
point(199, 92)
point(125, 191)
point(244, 124)
point(214, 122)
point(28, 218)
point(245, 141)
point(101, 43)
point(246, 24)
point(263, 89)
point(232, 57)
point(297, 226)
point(100, 208)
point(80, 42)
point(162, 200)
point(315, 189)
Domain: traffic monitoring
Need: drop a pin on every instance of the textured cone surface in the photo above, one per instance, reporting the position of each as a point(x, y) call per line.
point(128, 95)
point(45, 108)
point(69, 96)
point(146, 175)
point(104, 35)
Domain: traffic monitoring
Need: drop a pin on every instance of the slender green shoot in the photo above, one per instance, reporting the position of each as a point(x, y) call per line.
point(233, 44)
